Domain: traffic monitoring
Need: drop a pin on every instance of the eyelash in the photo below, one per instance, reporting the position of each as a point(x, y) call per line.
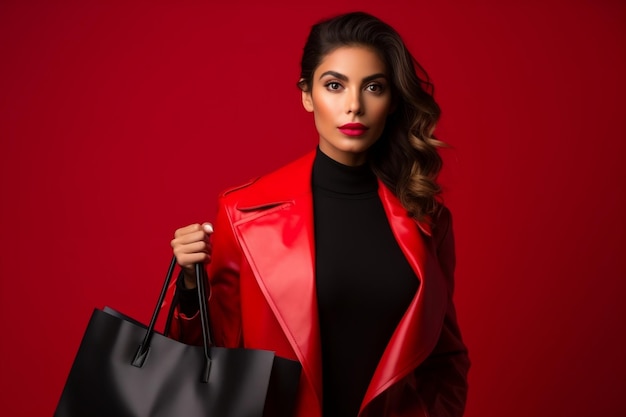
point(380, 87)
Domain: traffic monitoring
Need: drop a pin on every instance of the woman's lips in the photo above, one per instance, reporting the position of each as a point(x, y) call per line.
point(353, 129)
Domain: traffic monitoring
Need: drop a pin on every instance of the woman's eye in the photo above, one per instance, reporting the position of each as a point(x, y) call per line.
point(333, 86)
point(374, 88)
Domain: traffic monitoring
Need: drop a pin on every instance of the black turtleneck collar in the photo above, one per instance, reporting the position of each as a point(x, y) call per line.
point(336, 177)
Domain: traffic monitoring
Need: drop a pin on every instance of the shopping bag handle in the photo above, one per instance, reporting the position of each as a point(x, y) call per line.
point(207, 340)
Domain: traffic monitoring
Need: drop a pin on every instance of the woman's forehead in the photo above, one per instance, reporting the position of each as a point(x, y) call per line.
point(351, 61)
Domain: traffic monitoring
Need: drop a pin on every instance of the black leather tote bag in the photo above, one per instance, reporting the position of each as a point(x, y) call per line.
point(125, 369)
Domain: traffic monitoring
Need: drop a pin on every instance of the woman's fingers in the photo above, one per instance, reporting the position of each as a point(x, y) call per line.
point(191, 244)
point(208, 227)
point(188, 260)
point(193, 247)
point(196, 227)
point(191, 237)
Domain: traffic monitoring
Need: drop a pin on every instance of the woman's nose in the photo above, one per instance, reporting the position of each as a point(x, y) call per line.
point(354, 102)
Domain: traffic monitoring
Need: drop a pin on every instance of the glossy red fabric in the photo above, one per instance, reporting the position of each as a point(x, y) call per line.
point(263, 296)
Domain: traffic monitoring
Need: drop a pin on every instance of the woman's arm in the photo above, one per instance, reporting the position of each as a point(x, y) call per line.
point(190, 245)
point(442, 377)
point(223, 271)
point(224, 257)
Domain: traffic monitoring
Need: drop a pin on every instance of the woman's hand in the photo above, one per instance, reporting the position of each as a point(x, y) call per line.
point(192, 245)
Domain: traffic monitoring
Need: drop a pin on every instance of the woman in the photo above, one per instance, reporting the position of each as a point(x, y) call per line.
point(343, 259)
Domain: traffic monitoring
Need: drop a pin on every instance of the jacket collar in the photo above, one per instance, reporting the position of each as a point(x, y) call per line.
point(275, 227)
point(418, 331)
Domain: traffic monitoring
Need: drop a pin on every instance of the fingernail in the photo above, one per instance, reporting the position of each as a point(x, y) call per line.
point(208, 227)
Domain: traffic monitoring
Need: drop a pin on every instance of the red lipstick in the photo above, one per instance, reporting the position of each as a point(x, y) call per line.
point(353, 129)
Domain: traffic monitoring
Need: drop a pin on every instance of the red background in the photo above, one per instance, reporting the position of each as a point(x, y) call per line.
point(120, 121)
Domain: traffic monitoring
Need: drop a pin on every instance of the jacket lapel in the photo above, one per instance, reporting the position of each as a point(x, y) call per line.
point(275, 229)
point(418, 331)
point(274, 225)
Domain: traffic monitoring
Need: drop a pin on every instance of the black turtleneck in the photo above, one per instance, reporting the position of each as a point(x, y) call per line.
point(364, 282)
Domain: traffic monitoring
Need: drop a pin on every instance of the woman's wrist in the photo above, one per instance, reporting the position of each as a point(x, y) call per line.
point(189, 279)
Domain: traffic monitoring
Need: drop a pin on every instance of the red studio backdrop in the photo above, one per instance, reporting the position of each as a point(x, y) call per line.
point(121, 121)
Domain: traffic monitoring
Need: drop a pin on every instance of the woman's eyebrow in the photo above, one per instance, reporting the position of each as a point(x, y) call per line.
point(345, 78)
point(334, 74)
point(374, 77)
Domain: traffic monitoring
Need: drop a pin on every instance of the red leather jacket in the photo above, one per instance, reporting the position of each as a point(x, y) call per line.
point(263, 296)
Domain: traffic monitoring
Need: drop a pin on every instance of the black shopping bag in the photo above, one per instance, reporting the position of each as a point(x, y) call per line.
point(125, 369)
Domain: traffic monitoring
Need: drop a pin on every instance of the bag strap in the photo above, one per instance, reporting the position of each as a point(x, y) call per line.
point(144, 347)
point(207, 339)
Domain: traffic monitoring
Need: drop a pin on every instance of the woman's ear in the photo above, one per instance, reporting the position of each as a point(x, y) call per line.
point(307, 101)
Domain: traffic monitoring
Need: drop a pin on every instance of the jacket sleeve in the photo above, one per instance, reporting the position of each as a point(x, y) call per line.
point(224, 307)
point(442, 377)
point(223, 271)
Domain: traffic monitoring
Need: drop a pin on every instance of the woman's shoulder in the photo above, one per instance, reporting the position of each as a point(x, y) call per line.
point(283, 183)
point(441, 223)
point(443, 215)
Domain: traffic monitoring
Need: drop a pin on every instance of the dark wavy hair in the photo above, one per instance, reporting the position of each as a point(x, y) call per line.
point(405, 157)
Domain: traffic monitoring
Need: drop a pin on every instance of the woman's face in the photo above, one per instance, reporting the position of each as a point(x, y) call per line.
point(350, 97)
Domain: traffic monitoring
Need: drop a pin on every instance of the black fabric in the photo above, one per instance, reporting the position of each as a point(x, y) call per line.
point(187, 298)
point(168, 380)
point(364, 282)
